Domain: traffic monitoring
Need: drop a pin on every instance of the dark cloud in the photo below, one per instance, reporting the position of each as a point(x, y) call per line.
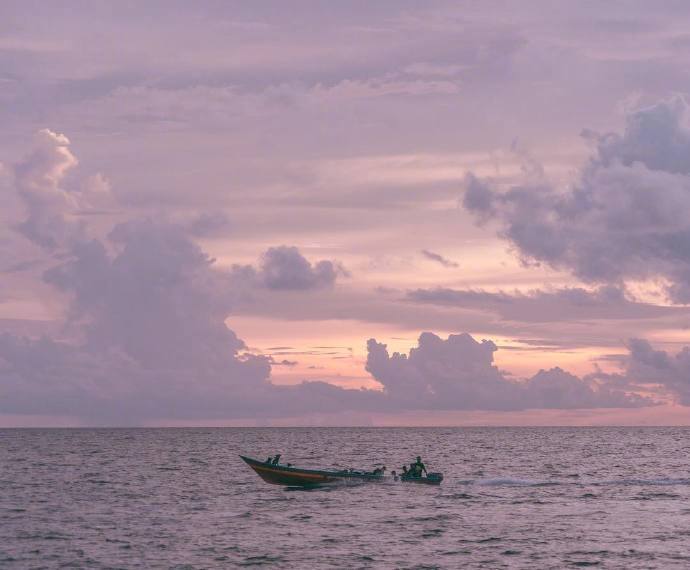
point(284, 362)
point(657, 137)
point(628, 215)
point(459, 373)
point(209, 224)
point(284, 268)
point(478, 198)
point(438, 258)
point(645, 365)
point(566, 304)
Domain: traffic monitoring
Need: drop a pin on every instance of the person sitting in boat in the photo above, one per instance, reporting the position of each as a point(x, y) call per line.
point(269, 460)
point(276, 459)
point(379, 470)
point(404, 470)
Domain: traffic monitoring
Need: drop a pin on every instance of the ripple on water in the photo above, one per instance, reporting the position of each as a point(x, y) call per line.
point(510, 498)
point(262, 560)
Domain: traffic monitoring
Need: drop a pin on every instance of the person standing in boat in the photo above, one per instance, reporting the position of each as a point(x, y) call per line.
point(418, 467)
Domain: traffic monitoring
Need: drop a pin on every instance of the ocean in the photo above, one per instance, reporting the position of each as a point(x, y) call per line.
point(182, 498)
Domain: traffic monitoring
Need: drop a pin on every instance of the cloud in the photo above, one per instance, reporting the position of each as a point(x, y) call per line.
point(158, 299)
point(656, 136)
point(437, 257)
point(208, 224)
point(556, 388)
point(458, 373)
point(110, 387)
point(148, 309)
point(626, 217)
point(284, 362)
point(52, 210)
point(645, 365)
point(153, 335)
point(284, 268)
point(557, 305)
point(37, 180)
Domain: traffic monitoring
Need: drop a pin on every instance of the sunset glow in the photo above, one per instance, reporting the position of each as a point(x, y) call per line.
point(224, 217)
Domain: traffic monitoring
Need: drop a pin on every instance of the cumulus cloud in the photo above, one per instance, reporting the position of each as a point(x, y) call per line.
point(159, 299)
point(38, 179)
point(626, 217)
point(153, 333)
point(51, 209)
point(152, 306)
point(459, 373)
point(645, 365)
point(284, 268)
point(148, 308)
point(438, 258)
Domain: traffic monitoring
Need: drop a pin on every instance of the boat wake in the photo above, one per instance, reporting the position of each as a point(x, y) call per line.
point(512, 482)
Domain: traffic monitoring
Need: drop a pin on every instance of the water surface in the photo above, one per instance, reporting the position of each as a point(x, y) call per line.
point(181, 498)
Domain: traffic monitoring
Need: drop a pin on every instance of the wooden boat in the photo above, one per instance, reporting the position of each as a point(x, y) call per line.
point(296, 477)
point(430, 479)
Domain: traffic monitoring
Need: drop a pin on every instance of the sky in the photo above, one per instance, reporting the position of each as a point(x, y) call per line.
point(318, 213)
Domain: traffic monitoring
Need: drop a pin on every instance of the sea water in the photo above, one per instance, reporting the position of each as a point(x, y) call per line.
point(182, 498)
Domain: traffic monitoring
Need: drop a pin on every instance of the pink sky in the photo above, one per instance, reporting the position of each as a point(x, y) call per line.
point(203, 205)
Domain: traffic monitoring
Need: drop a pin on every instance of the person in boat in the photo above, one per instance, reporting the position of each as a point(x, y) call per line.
point(379, 470)
point(404, 470)
point(419, 467)
point(276, 459)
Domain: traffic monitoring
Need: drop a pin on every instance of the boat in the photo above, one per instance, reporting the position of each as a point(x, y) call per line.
point(297, 477)
point(430, 479)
